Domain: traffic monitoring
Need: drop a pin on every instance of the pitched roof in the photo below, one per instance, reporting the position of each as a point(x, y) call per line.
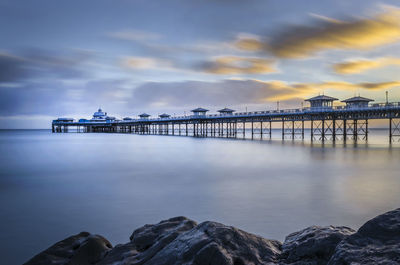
point(144, 115)
point(127, 119)
point(357, 99)
point(164, 115)
point(199, 110)
point(322, 97)
point(226, 110)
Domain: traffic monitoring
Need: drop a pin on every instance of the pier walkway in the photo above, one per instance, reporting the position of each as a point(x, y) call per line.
point(324, 123)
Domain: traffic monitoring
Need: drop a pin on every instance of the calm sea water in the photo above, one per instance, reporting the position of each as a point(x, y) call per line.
point(55, 185)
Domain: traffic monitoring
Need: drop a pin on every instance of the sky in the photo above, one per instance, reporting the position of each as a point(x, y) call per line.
point(68, 58)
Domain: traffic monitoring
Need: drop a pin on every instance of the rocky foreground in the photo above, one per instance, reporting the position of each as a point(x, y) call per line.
point(180, 240)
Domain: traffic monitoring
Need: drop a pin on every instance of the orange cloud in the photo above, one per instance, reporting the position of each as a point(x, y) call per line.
point(239, 65)
point(328, 34)
point(303, 90)
point(358, 66)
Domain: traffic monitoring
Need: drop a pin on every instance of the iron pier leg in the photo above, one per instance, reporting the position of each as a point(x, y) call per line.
point(270, 129)
point(283, 129)
point(355, 130)
point(252, 129)
point(312, 130)
point(390, 130)
point(302, 129)
point(334, 130)
point(293, 130)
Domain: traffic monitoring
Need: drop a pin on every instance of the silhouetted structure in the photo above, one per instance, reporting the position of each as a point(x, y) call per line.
point(325, 121)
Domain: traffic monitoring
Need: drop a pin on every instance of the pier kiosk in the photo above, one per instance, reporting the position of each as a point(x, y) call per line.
point(199, 112)
point(144, 116)
point(226, 111)
point(321, 101)
point(164, 116)
point(357, 102)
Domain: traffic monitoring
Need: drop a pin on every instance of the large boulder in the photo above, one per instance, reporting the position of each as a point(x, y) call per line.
point(82, 249)
point(376, 242)
point(215, 243)
point(313, 245)
point(148, 240)
point(145, 237)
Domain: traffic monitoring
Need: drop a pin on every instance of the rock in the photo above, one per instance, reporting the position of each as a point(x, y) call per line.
point(81, 249)
point(180, 240)
point(148, 240)
point(376, 242)
point(215, 243)
point(146, 236)
point(313, 245)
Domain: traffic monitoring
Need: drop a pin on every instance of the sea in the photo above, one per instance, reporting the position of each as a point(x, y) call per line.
point(53, 185)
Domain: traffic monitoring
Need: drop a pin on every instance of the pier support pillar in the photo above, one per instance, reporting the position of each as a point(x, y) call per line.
point(394, 130)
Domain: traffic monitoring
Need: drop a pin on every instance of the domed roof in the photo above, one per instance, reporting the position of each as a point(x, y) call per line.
point(99, 113)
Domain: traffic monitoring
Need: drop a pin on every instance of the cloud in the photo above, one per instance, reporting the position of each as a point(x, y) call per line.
point(359, 66)
point(135, 35)
point(327, 34)
point(238, 65)
point(195, 93)
point(303, 90)
point(11, 68)
point(223, 65)
point(237, 92)
point(41, 64)
point(135, 62)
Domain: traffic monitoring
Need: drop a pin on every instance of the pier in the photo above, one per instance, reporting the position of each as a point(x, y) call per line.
point(325, 122)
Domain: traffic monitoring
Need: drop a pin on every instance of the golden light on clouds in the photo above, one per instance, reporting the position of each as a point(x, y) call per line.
point(303, 90)
point(359, 66)
point(328, 34)
point(239, 65)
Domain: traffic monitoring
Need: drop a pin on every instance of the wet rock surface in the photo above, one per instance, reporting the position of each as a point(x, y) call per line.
point(82, 249)
point(215, 243)
point(180, 240)
point(313, 245)
point(376, 242)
